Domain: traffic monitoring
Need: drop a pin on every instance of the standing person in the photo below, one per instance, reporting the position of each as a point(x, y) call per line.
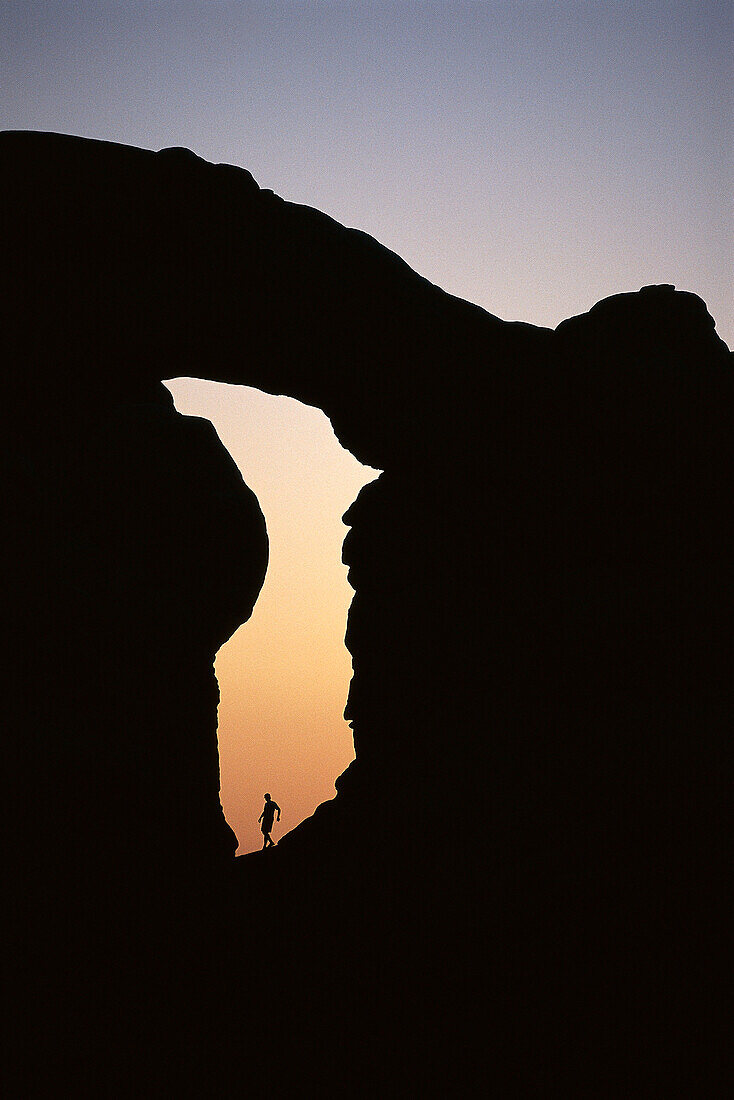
point(267, 819)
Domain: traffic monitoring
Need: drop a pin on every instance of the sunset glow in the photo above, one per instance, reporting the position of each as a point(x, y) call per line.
point(284, 675)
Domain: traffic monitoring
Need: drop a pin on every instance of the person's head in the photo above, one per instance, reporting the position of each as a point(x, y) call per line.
point(267, 797)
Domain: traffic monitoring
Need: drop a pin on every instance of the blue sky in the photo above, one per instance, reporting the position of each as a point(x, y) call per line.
point(530, 156)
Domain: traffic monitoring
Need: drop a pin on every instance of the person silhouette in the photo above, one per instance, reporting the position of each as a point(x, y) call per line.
point(266, 817)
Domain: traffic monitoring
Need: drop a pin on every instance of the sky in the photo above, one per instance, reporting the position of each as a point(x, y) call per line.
point(532, 156)
point(284, 676)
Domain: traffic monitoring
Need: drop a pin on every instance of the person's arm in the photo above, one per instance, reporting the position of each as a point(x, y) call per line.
point(278, 809)
point(261, 816)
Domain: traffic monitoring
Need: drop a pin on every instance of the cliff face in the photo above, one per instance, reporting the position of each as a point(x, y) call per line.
point(136, 550)
point(541, 627)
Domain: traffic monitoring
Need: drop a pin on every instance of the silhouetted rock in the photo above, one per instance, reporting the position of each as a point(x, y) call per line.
point(540, 633)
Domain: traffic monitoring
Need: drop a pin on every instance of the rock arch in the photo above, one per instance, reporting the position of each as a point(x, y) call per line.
point(541, 630)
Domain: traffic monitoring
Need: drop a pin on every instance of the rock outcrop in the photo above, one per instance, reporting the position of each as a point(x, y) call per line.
point(541, 635)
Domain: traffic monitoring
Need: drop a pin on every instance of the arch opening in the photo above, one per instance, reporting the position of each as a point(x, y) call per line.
point(284, 675)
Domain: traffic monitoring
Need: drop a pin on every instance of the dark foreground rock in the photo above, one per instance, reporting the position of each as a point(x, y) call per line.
point(514, 891)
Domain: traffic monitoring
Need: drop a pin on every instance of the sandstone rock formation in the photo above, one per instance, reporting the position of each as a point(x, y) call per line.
point(541, 638)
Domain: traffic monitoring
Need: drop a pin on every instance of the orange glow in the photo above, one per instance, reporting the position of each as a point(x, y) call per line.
point(284, 675)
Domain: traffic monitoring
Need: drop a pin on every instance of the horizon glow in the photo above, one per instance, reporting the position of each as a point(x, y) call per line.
point(284, 674)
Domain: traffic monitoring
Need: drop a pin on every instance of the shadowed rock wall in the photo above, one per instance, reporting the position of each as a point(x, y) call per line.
point(137, 550)
point(541, 630)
